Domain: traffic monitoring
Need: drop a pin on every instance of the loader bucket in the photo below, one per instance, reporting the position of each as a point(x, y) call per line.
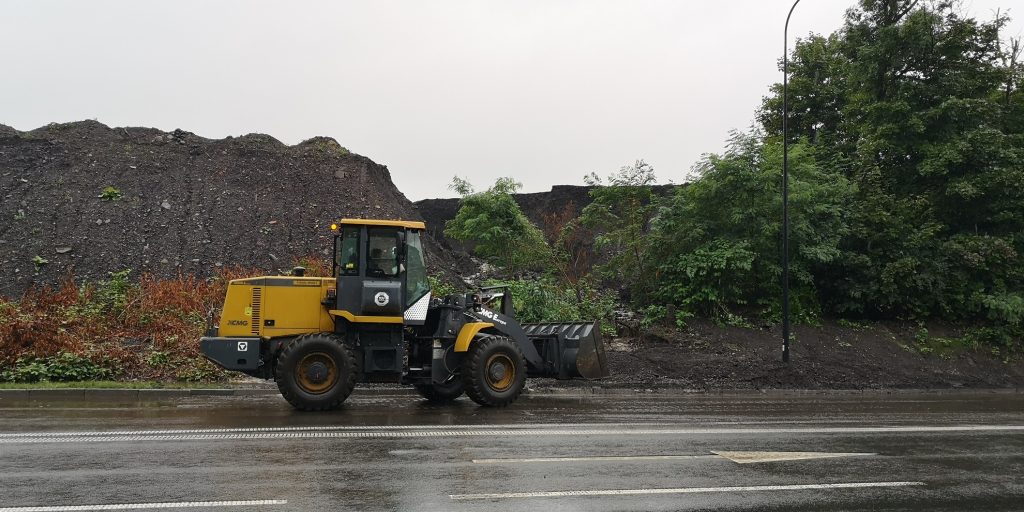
point(579, 350)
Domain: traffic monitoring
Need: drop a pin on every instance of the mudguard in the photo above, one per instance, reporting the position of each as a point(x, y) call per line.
point(510, 327)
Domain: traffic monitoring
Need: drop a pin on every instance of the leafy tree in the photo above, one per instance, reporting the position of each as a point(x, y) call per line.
point(494, 222)
point(906, 165)
point(620, 213)
point(920, 109)
point(717, 239)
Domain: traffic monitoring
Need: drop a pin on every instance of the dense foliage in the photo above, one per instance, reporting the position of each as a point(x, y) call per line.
point(717, 239)
point(548, 276)
point(546, 299)
point(620, 216)
point(906, 193)
point(906, 173)
point(497, 226)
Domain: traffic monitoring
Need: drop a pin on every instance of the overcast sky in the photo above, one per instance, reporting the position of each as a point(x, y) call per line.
point(544, 91)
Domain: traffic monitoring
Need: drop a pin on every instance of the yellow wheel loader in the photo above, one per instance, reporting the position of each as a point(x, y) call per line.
point(375, 320)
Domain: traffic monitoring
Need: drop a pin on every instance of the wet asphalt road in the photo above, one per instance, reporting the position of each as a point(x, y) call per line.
point(388, 450)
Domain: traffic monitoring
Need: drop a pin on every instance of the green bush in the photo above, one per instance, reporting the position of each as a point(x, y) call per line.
point(111, 193)
point(439, 287)
point(620, 214)
point(199, 370)
point(494, 222)
point(113, 292)
point(107, 296)
point(39, 261)
point(545, 300)
point(157, 359)
point(64, 367)
point(716, 240)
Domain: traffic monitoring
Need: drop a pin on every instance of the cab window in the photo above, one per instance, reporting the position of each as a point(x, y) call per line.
point(382, 253)
point(417, 284)
point(348, 252)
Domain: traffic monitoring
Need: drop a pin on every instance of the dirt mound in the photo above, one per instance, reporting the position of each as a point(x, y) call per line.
point(880, 356)
point(91, 199)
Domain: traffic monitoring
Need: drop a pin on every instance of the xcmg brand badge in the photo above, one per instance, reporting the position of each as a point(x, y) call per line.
point(491, 315)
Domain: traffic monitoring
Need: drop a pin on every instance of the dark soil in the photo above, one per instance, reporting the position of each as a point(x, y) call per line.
point(187, 204)
point(882, 356)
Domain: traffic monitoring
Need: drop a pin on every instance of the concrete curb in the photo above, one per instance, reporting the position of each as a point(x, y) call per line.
point(158, 394)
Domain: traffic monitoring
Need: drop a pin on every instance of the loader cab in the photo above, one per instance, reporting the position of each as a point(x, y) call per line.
point(380, 271)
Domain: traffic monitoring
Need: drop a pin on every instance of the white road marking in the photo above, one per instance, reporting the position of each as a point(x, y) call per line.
point(612, 458)
point(461, 431)
point(139, 506)
point(737, 457)
point(678, 490)
point(755, 457)
point(317, 429)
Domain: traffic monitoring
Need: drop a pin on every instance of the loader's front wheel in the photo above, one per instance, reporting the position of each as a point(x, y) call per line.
point(494, 371)
point(315, 372)
point(441, 393)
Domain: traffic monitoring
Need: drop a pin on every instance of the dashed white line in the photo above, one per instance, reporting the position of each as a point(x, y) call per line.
point(678, 490)
point(143, 506)
point(317, 428)
point(605, 458)
point(737, 457)
point(749, 457)
point(462, 431)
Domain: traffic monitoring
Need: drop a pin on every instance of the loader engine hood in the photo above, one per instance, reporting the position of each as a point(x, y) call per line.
point(271, 306)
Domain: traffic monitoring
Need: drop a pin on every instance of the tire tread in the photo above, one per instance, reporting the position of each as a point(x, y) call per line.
point(475, 389)
point(281, 376)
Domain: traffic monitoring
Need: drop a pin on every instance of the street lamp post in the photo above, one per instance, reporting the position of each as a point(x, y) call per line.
point(785, 186)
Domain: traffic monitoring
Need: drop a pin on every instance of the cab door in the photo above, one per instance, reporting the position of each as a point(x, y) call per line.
point(382, 287)
point(349, 267)
point(370, 271)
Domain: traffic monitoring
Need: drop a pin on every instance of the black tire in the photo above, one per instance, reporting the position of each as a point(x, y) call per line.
point(315, 372)
point(494, 371)
point(441, 393)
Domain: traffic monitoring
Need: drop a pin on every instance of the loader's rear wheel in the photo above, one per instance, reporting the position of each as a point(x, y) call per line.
point(315, 372)
point(494, 371)
point(441, 393)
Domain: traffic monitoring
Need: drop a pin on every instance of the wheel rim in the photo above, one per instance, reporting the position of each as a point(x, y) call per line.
point(499, 372)
point(316, 373)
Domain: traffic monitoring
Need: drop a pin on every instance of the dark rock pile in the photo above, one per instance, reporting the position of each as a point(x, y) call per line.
point(89, 199)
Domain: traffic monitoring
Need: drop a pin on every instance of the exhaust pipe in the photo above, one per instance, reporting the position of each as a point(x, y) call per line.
point(575, 348)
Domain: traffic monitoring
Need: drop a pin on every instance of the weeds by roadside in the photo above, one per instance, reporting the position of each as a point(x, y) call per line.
point(110, 384)
point(117, 328)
